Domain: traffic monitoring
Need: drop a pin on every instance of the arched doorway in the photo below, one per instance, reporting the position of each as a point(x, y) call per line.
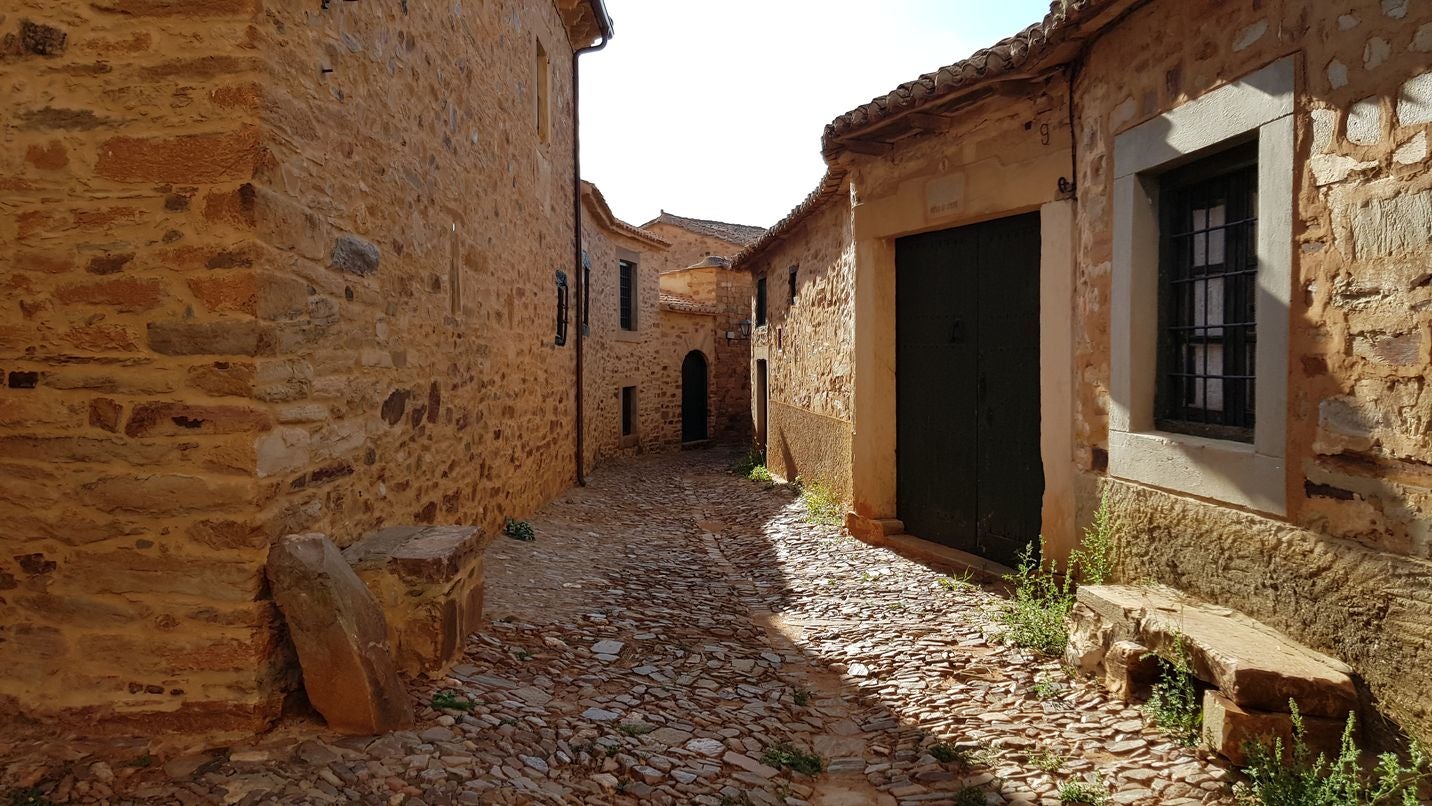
point(693, 397)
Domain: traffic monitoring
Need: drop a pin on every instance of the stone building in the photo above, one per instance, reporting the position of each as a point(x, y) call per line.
point(270, 267)
point(663, 361)
point(1172, 253)
point(697, 270)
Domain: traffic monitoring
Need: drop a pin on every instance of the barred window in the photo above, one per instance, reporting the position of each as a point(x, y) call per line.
point(628, 410)
point(562, 295)
point(760, 301)
point(1207, 286)
point(627, 270)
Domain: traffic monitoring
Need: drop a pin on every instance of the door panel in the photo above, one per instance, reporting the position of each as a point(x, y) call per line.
point(935, 403)
point(968, 468)
point(693, 397)
point(1011, 474)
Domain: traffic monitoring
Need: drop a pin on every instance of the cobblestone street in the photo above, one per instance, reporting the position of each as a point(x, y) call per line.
point(670, 625)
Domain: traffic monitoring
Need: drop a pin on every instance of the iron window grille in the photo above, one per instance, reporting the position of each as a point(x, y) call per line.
point(628, 410)
point(760, 301)
point(562, 298)
point(1208, 267)
point(627, 270)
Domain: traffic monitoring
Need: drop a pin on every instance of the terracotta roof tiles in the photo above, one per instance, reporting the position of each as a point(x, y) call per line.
point(739, 234)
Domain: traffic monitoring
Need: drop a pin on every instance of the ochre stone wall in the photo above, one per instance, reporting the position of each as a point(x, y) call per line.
point(809, 347)
point(131, 576)
point(259, 286)
point(1349, 572)
point(688, 248)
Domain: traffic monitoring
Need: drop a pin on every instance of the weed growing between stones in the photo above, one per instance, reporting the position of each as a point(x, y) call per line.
point(1046, 689)
point(800, 697)
point(1043, 598)
point(450, 701)
point(945, 753)
point(785, 755)
point(1174, 704)
point(960, 583)
point(969, 796)
point(823, 506)
point(1046, 760)
point(1083, 792)
point(1297, 778)
point(519, 530)
point(27, 797)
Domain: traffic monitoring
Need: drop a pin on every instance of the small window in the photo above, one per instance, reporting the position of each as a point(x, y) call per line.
point(542, 92)
point(627, 270)
point(1208, 267)
point(791, 278)
point(628, 410)
point(561, 308)
point(760, 301)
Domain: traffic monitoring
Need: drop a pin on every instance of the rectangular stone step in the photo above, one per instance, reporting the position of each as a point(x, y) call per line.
point(1254, 665)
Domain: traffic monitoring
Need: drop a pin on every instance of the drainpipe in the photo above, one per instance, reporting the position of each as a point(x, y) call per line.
point(604, 22)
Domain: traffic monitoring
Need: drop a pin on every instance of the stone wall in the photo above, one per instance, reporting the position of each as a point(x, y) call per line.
point(809, 344)
point(1348, 572)
point(257, 290)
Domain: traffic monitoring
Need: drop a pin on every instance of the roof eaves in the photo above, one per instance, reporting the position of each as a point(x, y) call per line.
point(603, 211)
point(827, 191)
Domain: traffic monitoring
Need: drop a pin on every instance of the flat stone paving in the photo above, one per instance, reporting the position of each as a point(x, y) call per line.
point(670, 624)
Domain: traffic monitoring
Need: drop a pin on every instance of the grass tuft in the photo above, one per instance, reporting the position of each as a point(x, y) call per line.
point(824, 507)
point(451, 701)
point(783, 755)
point(1174, 705)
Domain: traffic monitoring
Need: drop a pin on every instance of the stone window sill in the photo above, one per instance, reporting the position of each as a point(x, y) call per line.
point(626, 335)
point(1232, 472)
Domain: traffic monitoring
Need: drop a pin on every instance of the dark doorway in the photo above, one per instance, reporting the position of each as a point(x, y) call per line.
point(693, 397)
point(968, 468)
point(762, 392)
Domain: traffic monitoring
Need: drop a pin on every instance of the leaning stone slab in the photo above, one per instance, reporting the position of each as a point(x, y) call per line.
point(1254, 665)
point(1231, 731)
point(429, 582)
point(341, 637)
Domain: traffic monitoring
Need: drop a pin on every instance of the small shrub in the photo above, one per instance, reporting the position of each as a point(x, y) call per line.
point(1296, 778)
point(969, 796)
point(1174, 704)
point(1047, 760)
point(519, 530)
point(451, 701)
point(635, 728)
point(823, 506)
point(784, 755)
point(1046, 689)
point(1034, 618)
point(747, 464)
point(800, 696)
point(761, 474)
point(1085, 792)
point(1094, 556)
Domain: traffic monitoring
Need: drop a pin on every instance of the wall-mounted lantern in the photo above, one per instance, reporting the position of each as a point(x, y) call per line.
point(744, 333)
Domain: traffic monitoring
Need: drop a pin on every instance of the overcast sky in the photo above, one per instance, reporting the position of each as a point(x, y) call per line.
point(715, 109)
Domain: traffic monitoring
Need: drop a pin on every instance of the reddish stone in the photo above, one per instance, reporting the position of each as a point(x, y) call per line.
point(106, 414)
point(228, 291)
point(180, 419)
point(49, 157)
point(125, 294)
point(187, 158)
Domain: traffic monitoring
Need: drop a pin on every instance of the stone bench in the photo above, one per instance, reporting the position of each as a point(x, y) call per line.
point(428, 580)
point(1253, 670)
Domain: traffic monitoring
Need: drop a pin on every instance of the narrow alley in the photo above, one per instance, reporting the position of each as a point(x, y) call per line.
point(672, 629)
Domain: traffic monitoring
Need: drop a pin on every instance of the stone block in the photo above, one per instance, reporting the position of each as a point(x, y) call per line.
point(223, 337)
point(1130, 670)
point(185, 159)
point(429, 581)
point(182, 419)
point(1414, 101)
point(1254, 665)
point(355, 255)
point(1231, 731)
point(1364, 122)
point(341, 636)
point(1089, 639)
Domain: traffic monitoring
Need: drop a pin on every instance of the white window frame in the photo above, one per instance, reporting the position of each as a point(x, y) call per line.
point(1246, 475)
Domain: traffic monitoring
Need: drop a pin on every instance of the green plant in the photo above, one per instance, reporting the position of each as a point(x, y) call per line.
point(969, 796)
point(784, 755)
point(800, 696)
point(945, 753)
point(450, 701)
point(1034, 617)
point(27, 797)
point(753, 459)
point(958, 583)
point(522, 654)
point(635, 728)
point(1174, 704)
point(824, 507)
point(141, 762)
point(1047, 760)
point(519, 530)
point(762, 474)
point(1046, 689)
point(1094, 556)
point(1297, 778)
point(1085, 792)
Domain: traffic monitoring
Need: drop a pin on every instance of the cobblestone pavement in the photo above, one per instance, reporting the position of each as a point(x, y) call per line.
point(671, 624)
